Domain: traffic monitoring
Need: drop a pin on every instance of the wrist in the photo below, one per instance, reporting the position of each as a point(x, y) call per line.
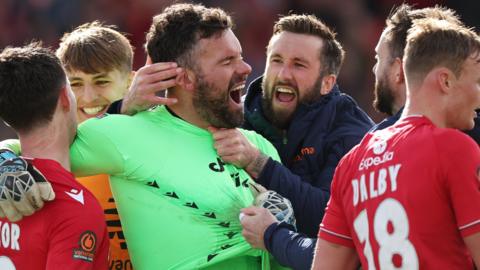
point(255, 167)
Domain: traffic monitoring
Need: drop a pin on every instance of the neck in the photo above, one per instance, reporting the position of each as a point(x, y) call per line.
point(400, 99)
point(422, 102)
point(47, 142)
point(184, 109)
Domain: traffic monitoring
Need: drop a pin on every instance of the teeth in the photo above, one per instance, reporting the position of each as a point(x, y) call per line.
point(239, 88)
point(93, 110)
point(285, 90)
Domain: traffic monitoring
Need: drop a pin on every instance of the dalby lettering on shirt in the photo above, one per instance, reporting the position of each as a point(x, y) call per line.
point(378, 183)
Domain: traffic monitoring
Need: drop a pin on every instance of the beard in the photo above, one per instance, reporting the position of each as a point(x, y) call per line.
point(384, 99)
point(281, 118)
point(212, 104)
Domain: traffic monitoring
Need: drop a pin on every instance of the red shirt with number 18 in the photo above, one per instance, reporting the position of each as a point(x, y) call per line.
point(406, 196)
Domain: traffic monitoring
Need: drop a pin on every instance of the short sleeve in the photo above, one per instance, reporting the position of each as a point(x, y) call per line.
point(461, 161)
point(77, 241)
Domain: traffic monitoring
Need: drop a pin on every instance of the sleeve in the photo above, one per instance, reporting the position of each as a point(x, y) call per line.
point(461, 160)
point(78, 241)
point(289, 248)
point(334, 227)
point(308, 196)
point(94, 152)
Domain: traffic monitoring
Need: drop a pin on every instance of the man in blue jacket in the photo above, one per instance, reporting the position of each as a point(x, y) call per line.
point(297, 106)
point(294, 249)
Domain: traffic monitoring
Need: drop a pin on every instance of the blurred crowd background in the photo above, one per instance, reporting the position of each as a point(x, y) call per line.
point(357, 22)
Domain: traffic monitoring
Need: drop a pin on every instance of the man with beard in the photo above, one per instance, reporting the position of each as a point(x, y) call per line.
point(386, 214)
point(299, 108)
point(294, 249)
point(390, 85)
point(179, 202)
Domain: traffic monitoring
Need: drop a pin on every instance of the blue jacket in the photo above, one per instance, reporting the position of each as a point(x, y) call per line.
point(318, 137)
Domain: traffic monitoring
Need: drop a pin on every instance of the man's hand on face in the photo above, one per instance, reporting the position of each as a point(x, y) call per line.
point(23, 189)
point(255, 221)
point(234, 148)
point(148, 81)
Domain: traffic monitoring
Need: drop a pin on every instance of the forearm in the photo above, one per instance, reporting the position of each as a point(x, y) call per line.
point(255, 167)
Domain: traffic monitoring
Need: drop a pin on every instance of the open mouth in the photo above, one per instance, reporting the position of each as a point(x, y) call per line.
point(236, 93)
point(93, 111)
point(284, 94)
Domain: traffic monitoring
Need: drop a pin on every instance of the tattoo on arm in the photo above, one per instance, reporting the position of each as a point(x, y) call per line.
point(257, 165)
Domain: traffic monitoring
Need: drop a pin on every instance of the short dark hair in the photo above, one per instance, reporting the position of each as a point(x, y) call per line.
point(174, 32)
point(401, 19)
point(95, 47)
point(31, 78)
point(332, 54)
point(429, 45)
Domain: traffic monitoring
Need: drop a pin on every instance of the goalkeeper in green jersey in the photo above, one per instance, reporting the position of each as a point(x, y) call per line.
point(179, 202)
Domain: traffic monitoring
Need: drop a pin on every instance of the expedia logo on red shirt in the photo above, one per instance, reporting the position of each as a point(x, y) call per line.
point(87, 245)
point(378, 149)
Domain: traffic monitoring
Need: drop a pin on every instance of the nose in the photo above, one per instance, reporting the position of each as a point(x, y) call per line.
point(89, 94)
point(285, 73)
point(244, 68)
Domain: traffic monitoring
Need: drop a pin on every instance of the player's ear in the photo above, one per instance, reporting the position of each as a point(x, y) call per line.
point(445, 79)
point(398, 71)
point(328, 81)
point(64, 99)
point(186, 79)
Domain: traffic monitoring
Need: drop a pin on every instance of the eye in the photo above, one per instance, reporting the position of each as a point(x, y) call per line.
point(276, 60)
point(102, 82)
point(75, 84)
point(300, 65)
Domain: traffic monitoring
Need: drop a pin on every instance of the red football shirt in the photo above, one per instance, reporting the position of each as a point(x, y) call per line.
point(406, 196)
point(68, 233)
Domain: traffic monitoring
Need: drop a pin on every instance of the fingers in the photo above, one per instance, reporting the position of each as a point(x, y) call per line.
point(46, 192)
point(159, 76)
point(156, 67)
point(257, 189)
point(251, 211)
point(159, 86)
point(161, 100)
point(9, 210)
point(24, 206)
point(221, 134)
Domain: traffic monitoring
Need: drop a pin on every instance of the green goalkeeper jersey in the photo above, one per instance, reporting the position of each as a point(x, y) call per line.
point(178, 201)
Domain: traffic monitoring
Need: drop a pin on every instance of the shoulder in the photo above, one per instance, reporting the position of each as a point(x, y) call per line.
point(453, 142)
point(106, 121)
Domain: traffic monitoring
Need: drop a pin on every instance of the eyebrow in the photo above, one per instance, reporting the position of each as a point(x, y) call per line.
point(103, 74)
point(297, 59)
point(228, 58)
